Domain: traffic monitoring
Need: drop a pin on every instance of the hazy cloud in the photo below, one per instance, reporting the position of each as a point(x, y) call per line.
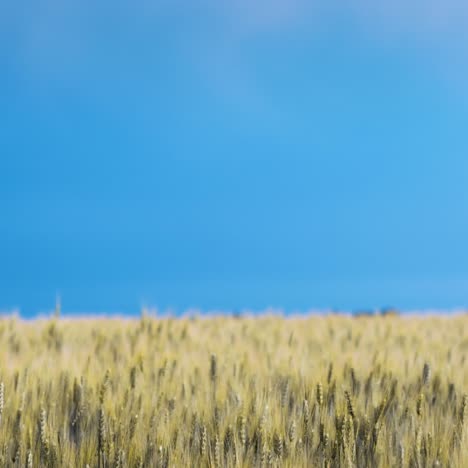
point(55, 38)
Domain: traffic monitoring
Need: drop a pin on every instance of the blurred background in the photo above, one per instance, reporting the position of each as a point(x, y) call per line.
point(237, 154)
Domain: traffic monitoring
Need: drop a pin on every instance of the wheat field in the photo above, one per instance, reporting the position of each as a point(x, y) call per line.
point(318, 391)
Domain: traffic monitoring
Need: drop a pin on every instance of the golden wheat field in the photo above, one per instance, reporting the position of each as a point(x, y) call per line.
point(319, 391)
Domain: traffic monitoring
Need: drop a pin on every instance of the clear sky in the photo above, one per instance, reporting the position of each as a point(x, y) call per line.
point(233, 154)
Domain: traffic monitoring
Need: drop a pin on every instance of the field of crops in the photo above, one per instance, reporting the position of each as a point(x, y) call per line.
point(323, 391)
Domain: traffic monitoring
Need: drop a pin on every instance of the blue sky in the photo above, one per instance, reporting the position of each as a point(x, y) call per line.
point(230, 155)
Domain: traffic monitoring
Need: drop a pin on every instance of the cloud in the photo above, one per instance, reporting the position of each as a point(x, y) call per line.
point(420, 17)
point(267, 15)
point(55, 38)
point(415, 17)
